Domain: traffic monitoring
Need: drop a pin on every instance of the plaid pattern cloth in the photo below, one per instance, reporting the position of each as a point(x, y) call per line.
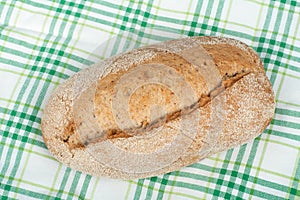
point(42, 43)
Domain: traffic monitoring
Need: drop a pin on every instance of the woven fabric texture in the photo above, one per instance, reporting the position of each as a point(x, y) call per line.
point(42, 43)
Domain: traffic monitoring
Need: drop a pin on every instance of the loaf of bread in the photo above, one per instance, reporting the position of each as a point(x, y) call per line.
point(159, 108)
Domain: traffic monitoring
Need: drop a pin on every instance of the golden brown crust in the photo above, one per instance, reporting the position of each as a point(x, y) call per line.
point(249, 103)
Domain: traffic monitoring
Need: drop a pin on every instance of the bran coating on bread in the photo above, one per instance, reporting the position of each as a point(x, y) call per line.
point(249, 107)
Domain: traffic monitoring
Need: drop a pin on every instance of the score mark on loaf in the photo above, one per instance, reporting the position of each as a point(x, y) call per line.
point(159, 108)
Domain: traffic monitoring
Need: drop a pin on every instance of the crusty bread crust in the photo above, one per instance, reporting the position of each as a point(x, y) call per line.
point(246, 98)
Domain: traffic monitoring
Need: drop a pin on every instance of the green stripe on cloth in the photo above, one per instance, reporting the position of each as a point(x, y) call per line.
point(42, 43)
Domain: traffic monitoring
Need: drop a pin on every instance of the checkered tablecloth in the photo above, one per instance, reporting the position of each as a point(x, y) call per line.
point(42, 43)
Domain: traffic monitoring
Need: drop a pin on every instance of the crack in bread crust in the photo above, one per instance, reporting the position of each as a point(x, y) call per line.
point(228, 81)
